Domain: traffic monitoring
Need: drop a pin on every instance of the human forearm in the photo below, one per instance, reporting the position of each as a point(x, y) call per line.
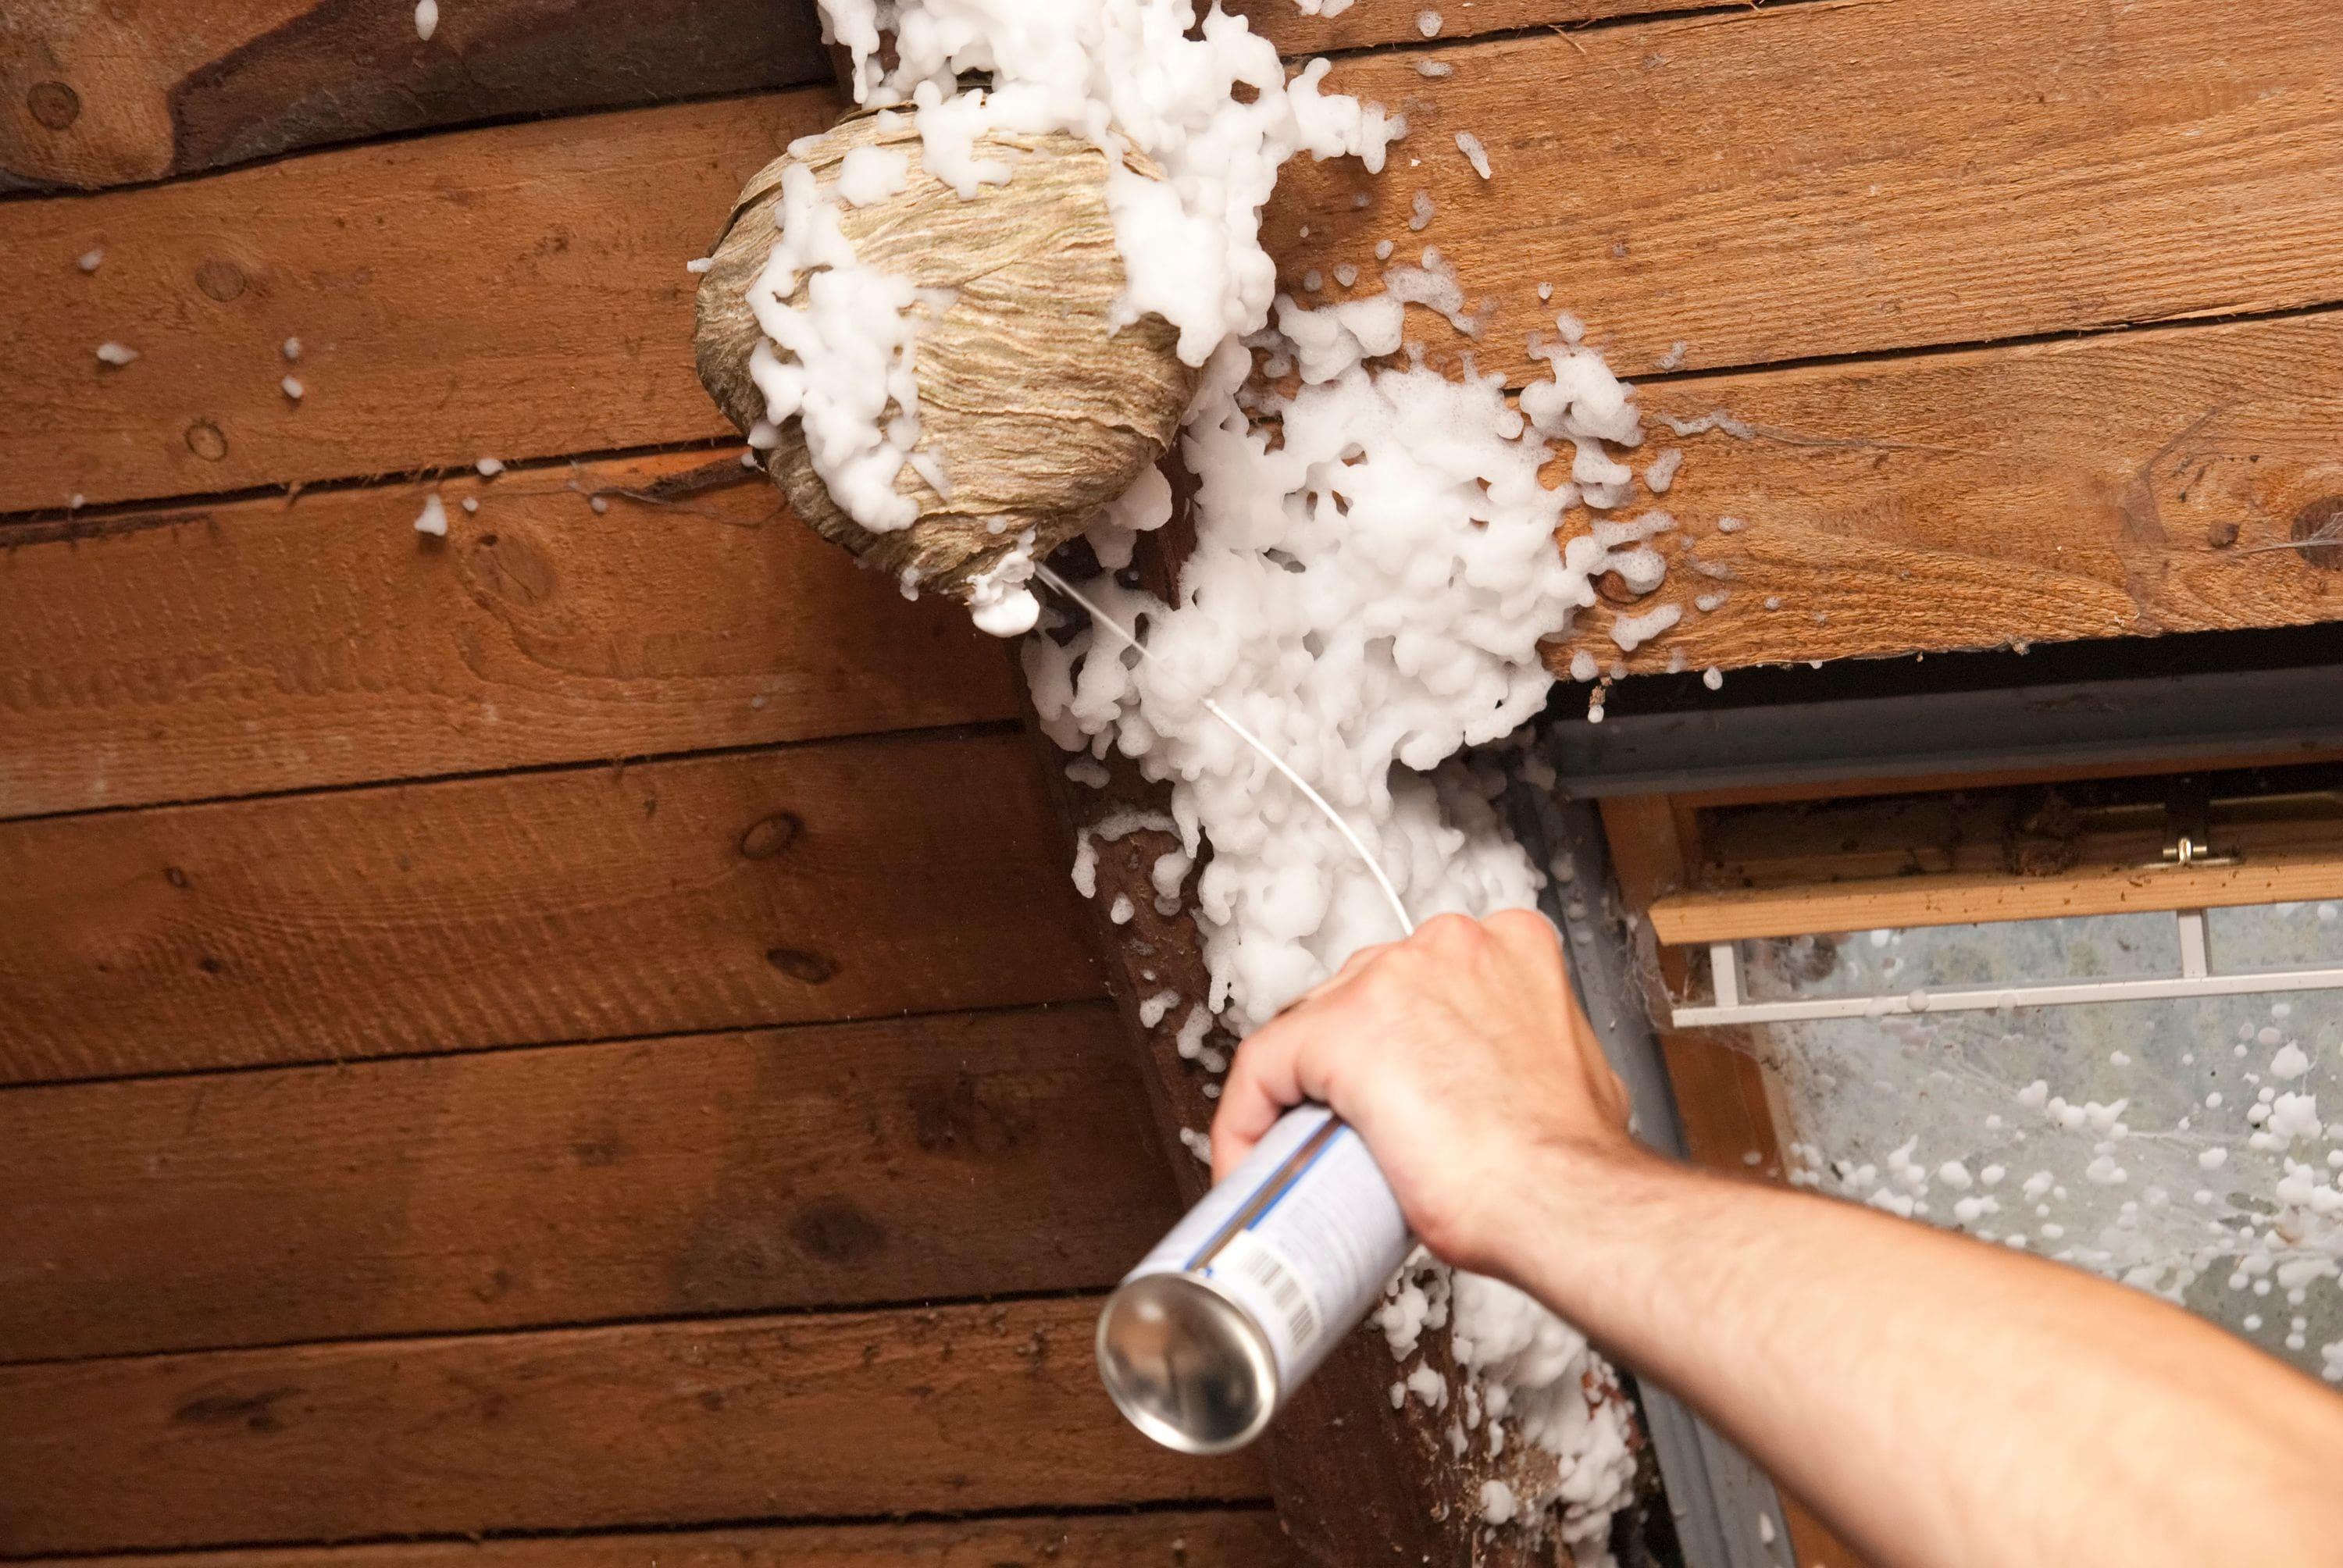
point(1938, 1399)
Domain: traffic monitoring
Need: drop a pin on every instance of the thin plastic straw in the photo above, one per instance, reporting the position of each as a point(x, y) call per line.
point(1349, 835)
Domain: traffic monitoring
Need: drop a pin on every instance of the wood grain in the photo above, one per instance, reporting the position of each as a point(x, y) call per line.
point(254, 646)
point(1962, 897)
point(2136, 483)
point(90, 98)
point(95, 95)
point(848, 1164)
point(826, 1416)
point(519, 289)
point(1853, 177)
point(518, 292)
point(1376, 24)
point(842, 879)
point(1180, 1538)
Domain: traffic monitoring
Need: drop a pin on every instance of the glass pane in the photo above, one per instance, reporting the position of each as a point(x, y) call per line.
point(2275, 937)
point(2175, 1145)
point(1931, 958)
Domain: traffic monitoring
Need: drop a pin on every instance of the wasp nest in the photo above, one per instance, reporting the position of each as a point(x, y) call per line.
point(1034, 410)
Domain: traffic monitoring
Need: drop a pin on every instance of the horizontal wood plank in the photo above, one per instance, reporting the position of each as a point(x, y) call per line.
point(95, 96)
point(841, 880)
point(515, 292)
point(88, 99)
point(850, 1164)
point(1175, 1538)
point(1940, 174)
point(1964, 898)
point(962, 1409)
point(1854, 177)
point(2136, 483)
point(254, 646)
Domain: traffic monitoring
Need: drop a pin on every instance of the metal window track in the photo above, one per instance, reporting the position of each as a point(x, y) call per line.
point(2198, 978)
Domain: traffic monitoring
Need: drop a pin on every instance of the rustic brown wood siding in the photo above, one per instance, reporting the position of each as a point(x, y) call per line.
point(582, 1028)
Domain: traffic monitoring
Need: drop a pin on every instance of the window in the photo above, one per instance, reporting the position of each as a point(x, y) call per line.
point(2098, 1021)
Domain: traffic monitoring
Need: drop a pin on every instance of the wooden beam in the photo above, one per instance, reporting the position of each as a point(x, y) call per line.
point(519, 290)
point(1179, 1538)
point(844, 1165)
point(818, 1416)
point(2142, 482)
point(256, 645)
point(838, 880)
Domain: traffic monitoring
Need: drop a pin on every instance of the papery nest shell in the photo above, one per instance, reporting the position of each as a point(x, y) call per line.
point(1038, 408)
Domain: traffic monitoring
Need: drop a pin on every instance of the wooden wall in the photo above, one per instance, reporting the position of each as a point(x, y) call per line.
point(578, 1033)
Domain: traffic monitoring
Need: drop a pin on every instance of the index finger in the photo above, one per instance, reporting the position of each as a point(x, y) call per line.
point(1262, 1086)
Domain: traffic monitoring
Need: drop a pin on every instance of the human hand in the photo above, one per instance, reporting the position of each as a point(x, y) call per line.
point(1461, 1057)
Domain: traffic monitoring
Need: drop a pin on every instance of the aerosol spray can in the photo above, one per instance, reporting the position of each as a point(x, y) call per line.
point(1203, 1341)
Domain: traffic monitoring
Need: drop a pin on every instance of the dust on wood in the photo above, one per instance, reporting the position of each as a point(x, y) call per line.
point(1963, 898)
point(577, 904)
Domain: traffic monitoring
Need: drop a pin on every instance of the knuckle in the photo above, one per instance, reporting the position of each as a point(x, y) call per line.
point(1450, 932)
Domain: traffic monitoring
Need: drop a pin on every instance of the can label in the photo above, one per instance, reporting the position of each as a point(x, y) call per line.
point(1303, 1237)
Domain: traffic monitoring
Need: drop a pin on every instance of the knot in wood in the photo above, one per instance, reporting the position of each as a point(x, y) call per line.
point(2319, 533)
point(54, 104)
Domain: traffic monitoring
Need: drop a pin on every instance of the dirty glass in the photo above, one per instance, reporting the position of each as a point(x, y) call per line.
point(2178, 1146)
point(2275, 936)
point(1940, 958)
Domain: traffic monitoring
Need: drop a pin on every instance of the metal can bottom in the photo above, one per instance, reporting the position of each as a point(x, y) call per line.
point(1187, 1365)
